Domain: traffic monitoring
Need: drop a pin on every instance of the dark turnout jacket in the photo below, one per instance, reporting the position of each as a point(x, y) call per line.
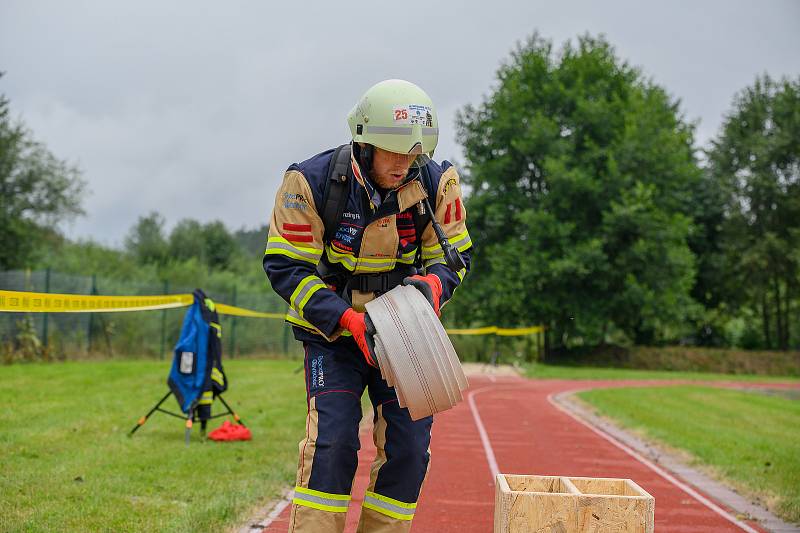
point(375, 234)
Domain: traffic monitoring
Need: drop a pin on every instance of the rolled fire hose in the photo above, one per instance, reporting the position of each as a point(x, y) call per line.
point(414, 353)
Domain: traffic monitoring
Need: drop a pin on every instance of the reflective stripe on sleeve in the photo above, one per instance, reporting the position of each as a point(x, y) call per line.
point(216, 375)
point(408, 257)
point(460, 242)
point(293, 317)
point(389, 507)
point(435, 261)
point(280, 246)
point(308, 286)
point(325, 501)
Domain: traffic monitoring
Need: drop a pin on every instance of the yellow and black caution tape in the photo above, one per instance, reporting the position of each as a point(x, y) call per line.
point(225, 309)
point(44, 302)
point(494, 330)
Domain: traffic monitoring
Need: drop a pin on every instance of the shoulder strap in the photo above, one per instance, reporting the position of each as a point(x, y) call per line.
point(334, 198)
point(421, 221)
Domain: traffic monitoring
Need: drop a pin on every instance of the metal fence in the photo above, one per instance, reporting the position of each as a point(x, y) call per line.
point(131, 334)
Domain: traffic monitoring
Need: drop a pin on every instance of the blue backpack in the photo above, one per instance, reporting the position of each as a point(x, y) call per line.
point(197, 376)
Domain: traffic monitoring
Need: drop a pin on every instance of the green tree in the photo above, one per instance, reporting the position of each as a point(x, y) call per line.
point(253, 241)
point(146, 241)
point(756, 159)
point(211, 244)
point(221, 246)
point(37, 191)
point(186, 240)
point(581, 174)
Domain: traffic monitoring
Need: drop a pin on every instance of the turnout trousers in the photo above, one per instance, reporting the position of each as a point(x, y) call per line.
point(336, 377)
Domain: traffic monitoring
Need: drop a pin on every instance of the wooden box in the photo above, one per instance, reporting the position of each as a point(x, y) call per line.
point(559, 504)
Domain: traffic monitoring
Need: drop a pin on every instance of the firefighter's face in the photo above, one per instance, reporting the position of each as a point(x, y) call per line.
point(390, 169)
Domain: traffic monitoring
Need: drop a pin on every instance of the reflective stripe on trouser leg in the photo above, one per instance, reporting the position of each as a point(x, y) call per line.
point(324, 501)
point(399, 469)
point(329, 453)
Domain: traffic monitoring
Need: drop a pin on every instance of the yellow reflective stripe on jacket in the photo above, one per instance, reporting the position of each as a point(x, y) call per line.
point(280, 246)
point(217, 327)
point(308, 286)
point(435, 261)
point(335, 256)
point(440, 261)
point(216, 375)
point(370, 264)
point(360, 264)
point(294, 317)
point(207, 398)
point(460, 242)
point(408, 257)
point(388, 506)
point(325, 501)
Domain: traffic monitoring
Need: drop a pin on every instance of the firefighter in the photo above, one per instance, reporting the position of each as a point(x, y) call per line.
point(327, 270)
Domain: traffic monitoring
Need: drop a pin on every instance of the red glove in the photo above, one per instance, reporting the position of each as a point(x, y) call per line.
point(362, 329)
point(430, 286)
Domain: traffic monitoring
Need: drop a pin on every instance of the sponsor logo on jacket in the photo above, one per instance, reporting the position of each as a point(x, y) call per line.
point(346, 234)
point(295, 201)
point(450, 183)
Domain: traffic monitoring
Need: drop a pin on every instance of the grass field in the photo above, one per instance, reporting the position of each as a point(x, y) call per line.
point(750, 440)
point(538, 370)
point(67, 463)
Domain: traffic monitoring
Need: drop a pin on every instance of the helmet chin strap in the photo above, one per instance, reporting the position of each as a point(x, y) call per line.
point(364, 155)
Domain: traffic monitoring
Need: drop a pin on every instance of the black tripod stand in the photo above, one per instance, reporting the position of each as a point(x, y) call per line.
point(188, 418)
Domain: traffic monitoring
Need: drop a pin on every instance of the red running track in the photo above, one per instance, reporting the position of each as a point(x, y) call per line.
point(526, 434)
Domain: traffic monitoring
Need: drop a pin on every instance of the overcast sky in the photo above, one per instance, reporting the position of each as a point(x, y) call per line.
point(195, 108)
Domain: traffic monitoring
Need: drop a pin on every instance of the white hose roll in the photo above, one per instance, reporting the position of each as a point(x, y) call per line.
point(415, 354)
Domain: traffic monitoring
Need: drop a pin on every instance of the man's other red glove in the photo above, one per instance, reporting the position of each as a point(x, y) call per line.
point(430, 286)
point(362, 329)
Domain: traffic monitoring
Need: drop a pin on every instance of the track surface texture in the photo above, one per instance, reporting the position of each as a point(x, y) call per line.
point(508, 424)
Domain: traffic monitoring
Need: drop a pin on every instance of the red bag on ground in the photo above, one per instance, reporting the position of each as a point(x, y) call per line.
point(228, 431)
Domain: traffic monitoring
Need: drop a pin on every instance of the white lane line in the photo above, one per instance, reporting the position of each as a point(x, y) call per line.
point(658, 470)
point(487, 446)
